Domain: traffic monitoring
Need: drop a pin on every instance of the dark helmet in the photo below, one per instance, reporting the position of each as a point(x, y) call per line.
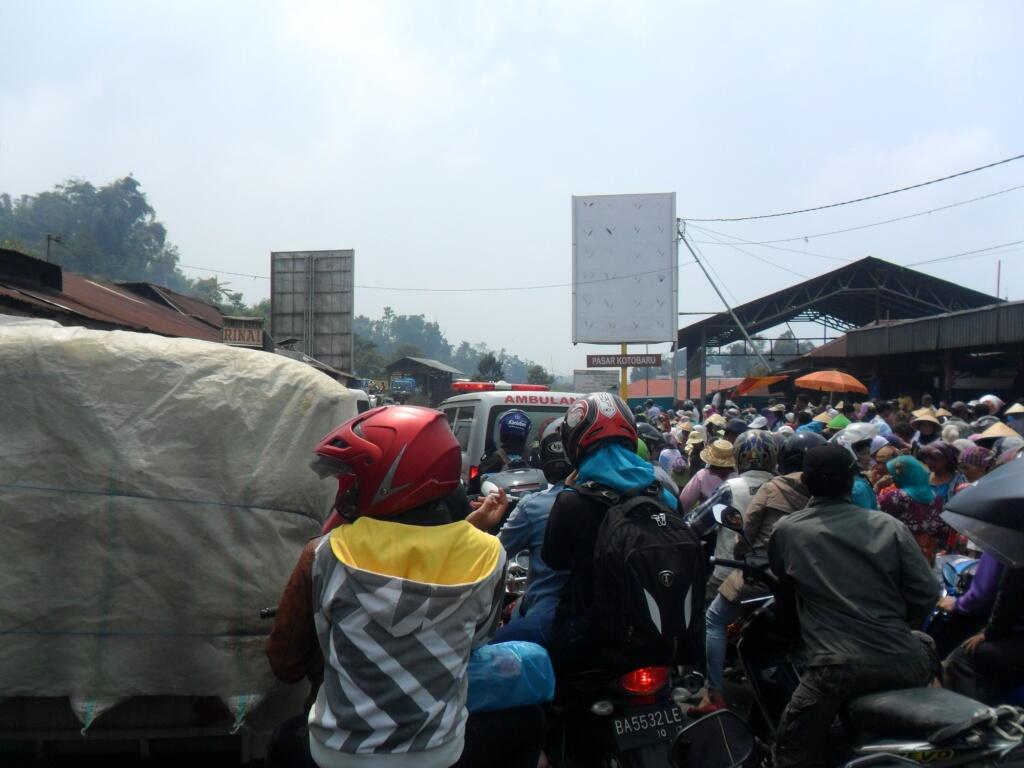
point(553, 460)
point(515, 425)
point(736, 426)
point(791, 457)
point(648, 403)
point(592, 420)
point(754, 449)
point(653, 439)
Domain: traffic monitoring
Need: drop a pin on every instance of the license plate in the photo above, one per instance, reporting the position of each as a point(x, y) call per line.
point(642, 727)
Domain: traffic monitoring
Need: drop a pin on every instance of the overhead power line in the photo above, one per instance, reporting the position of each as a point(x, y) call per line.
point(976, 252)
point(456, 290)
point(866, 226)
point(713, 232)
point(719, 241)
point(866, 197)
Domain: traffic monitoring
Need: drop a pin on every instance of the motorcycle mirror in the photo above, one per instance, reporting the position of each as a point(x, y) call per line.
point(728, 517)
point(718, 740)
point(522, 559)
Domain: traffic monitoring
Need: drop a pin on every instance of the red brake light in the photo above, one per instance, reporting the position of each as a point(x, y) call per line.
point(474, 473)
point(644, 681)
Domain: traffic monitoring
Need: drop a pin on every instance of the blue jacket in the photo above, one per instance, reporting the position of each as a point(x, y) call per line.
point(524, 530)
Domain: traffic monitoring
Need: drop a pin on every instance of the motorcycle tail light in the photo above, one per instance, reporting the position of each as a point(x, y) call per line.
point(644, 681)
point(474, 473)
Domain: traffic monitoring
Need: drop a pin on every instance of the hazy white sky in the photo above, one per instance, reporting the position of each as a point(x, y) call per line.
point(443, 140)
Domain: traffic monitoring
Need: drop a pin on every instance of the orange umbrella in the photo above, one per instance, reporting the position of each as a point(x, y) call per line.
point(755, 382)
point(831, 381)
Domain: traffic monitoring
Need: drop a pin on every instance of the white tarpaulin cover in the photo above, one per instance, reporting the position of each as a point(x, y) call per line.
point(155, 493)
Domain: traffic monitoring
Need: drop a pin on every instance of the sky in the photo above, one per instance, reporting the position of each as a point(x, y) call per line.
point(443, 141)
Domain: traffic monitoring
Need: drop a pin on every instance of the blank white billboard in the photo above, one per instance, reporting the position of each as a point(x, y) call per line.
point(624, 269)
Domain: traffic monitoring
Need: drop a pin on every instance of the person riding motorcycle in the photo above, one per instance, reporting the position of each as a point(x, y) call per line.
point(754, 454)
point(396, 586)
point(513, 431)
point(653, 439)
point(990, 663)
point(856, 438)
point(860, 583)
point(524, 530)
point(599, 437)
point(650, 444)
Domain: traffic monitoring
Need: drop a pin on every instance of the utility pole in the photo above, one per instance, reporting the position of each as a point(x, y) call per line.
point(52, 239)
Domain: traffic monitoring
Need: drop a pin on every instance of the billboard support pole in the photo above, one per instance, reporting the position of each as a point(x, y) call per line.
point(623, 379)
point(675, 377)
point(726, 303)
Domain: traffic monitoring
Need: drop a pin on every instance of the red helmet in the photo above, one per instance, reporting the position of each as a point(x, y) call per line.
point(391, 459)
point(593, 419)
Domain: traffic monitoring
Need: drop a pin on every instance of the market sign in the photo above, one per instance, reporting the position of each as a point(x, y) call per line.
point(595, 380)
point(623, 361)
point(243, 331)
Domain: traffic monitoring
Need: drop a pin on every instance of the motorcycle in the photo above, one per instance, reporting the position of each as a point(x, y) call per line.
point(948, 629)
point(908, 726)
point(516, 483)
point(631, 721)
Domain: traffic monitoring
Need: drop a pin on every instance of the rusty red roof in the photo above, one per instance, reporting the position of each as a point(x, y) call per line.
point(97, 303)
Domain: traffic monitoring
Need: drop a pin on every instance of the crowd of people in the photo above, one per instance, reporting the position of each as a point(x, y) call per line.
point(383, 610)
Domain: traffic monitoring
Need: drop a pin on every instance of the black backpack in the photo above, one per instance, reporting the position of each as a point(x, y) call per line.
point(649, 579)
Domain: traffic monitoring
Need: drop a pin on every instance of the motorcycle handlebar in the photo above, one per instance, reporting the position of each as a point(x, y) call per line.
point(759, 570)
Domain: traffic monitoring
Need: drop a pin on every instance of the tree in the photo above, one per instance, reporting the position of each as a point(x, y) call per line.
point(407, 350)
point(367, 363)
point(109, 232)
point(535, 374)
point(490, 368)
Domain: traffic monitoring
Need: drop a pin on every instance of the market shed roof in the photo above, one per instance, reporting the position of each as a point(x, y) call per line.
point(426, 363)
point(990, 326)
point(852, 296)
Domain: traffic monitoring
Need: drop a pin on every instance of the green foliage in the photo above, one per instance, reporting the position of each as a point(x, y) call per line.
point(391, 336)
point(490, 368)
point(535, 374)
point(109, 232)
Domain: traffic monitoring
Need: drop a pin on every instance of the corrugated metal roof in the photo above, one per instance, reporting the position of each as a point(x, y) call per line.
point(427, 362)
point(993, 325)
point(851, 296)
point(106, 305)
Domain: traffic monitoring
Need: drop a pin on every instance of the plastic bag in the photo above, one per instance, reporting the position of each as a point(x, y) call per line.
point(507, 675)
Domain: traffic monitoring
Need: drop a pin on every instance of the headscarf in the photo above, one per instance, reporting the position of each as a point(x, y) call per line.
point(912, 477)
point(896, 441)
point(770, 416)
point(949, 452)
point(976, 456)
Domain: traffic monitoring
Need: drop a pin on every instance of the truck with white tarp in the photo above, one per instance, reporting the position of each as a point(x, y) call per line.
point(155, 494)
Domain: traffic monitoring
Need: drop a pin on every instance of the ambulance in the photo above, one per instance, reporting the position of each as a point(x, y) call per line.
point(473, 415)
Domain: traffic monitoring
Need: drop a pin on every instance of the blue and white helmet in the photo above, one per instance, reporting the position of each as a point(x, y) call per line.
point(514, 424)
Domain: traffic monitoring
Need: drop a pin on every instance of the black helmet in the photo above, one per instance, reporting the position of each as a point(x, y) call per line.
point(791, 457)
point(736, 426)
point(653, 439)
point(553, 460)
